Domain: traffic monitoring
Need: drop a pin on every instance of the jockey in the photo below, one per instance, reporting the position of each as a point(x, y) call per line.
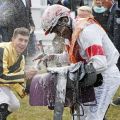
point(12, 72)
point(85, 40)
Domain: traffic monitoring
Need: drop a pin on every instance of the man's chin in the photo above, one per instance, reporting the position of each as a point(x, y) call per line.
point(20, 52)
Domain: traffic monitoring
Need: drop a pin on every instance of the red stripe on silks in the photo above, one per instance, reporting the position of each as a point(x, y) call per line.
point(95, 50)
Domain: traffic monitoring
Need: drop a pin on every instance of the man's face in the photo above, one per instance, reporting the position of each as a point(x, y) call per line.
point(83, 14)
point(107, 3)
point(98, 3)
point(20, 43)
point(62, 28)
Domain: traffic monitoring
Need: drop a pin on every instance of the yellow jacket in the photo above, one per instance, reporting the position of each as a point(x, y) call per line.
point(15, 78)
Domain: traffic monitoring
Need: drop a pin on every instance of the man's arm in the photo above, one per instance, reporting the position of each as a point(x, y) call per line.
point(92, 44)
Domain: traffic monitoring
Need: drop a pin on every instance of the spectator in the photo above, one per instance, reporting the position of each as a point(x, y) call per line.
point(73, 5)
point(58, 47)
point(7, 11)
point(0, 38)
point(111, 5)
point(66, 3)
point(100, 13)
point(96, 49)
point(12, 66)
point(114, 29)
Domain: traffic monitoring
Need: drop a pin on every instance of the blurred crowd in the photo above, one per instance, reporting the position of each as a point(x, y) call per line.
point(15, 14)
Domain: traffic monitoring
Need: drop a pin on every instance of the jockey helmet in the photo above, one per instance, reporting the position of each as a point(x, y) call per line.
point(51, 16)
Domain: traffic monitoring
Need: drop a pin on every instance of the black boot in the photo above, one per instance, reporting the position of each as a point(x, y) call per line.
point(105, 118)
point(58, 110)
point(4, 111)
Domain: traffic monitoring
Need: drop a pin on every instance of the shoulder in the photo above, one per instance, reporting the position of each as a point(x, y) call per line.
point(92, 31)
point(4, 49)
point(5, 45)
point(91, 28)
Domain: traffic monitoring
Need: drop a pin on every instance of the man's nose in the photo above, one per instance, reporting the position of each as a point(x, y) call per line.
point(23, 42)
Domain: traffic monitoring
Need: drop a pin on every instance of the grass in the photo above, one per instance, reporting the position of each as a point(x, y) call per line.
point(43, 113)
point(34, 113)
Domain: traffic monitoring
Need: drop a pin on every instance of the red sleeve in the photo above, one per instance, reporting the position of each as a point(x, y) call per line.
point(94, 50)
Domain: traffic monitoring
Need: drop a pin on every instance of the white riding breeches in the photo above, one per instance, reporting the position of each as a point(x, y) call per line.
point(104, 95)
point(8, 97)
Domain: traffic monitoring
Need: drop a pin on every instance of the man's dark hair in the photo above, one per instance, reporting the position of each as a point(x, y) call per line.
point(22, 31)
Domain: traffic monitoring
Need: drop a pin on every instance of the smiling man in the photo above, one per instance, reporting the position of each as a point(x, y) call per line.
point(12, 65)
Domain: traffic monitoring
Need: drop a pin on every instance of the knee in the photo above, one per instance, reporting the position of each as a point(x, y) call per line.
point(14, 107)
point(3, 107)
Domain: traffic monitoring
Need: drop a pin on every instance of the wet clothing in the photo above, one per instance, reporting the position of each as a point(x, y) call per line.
point(73, 6)
point(110, 23)
point(94, 46)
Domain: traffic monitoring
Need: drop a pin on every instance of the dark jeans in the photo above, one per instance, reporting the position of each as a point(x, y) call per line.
point(4, 34)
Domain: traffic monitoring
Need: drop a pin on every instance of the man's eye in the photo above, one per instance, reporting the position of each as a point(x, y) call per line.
point(20, 39)
point(65, 20)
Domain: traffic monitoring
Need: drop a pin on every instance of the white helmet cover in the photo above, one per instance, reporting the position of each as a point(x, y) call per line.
point(51, 16)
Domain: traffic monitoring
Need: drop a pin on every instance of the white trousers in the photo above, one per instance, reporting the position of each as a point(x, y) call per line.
point(8, 97)
point(104, 95)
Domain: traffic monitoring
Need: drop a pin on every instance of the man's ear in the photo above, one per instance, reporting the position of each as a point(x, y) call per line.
point(13, 38)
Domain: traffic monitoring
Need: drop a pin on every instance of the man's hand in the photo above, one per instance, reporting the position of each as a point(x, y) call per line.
point(29, 74)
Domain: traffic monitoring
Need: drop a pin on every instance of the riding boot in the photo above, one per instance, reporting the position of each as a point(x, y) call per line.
point(104, 118)
point(58, 110)
point(4, 111)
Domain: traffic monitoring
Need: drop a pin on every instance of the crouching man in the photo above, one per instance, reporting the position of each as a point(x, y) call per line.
point(12, 65)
